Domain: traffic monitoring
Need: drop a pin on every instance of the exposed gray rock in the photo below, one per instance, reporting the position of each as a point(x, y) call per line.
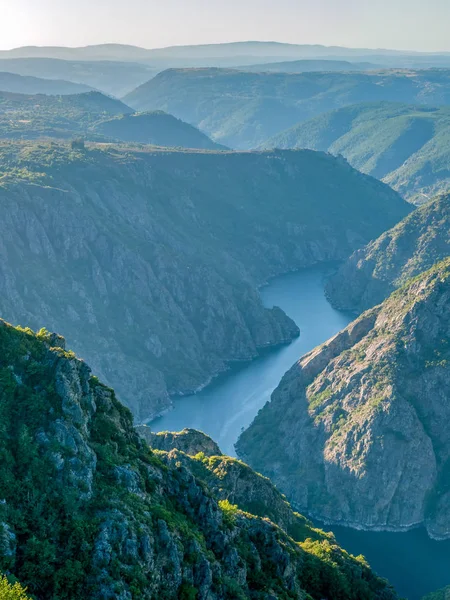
point(356, 431)
point(149, 262)
point(149, 527)
point(189, 441)
point(411, 247)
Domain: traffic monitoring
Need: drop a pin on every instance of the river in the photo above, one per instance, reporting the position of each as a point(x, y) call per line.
point(412, 562)
point(230, 403)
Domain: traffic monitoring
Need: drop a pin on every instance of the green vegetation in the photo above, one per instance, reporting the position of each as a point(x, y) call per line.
point(156, 128)
point(94, 117)
point(12, 591)
point(88, 510)
point(63, 117)
point(236, 485)
point(243, 110)
point(316, 400)
point(230, 512)
point(406, 146)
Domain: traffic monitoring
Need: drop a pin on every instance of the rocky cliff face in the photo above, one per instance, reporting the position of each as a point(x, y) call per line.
point(411, 247)
point(89, 511)
point(356, 431)
point(231, 480)
point(149, 262)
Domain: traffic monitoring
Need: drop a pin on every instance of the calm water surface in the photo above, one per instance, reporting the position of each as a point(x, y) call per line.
point(412, 562)
point(232, 400)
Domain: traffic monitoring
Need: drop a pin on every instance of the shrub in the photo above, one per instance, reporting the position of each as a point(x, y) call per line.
point(9, 591)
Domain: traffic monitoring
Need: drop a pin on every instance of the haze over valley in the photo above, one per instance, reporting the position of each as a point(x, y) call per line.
point(225, 301)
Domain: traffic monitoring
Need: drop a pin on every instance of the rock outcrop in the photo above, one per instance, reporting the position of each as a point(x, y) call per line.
point(88, 510)
point(356, 431)
point(189, 441)
point(232, 480)
point(148, 262)
point(411, 247)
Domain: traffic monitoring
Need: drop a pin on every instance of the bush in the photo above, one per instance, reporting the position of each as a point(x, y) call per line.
point(10, 591)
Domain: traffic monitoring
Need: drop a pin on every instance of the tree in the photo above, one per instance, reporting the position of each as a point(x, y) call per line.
point(10, 591)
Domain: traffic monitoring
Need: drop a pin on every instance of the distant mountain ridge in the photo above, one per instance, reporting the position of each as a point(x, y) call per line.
point(257, 48)
point(242, 110)
point(111, 77)
point(310, 66)
point(11, 82)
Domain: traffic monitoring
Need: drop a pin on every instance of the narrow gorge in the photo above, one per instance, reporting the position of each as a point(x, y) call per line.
point(161, 252)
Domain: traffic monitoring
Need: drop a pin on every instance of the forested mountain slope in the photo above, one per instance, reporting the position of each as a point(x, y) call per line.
point(111, 77)
point(405, 146)
point(32, 116)
point(93, 116)
point(156, 128)
point(243, 110)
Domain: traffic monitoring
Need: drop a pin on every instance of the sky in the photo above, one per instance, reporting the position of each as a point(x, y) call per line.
point(396, 24)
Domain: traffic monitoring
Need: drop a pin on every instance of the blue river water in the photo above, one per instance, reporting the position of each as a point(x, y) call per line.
point(412, 562)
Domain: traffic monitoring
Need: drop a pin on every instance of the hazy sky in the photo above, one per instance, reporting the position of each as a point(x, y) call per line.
point(404, 24)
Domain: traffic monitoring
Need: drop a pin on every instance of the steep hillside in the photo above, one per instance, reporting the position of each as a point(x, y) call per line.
point(406, 146)
point(111, 77)
point(161, 252)
point(11, 82)
point(89, 511)
point(411, 247)
point(157, 128)
point(243, 110)
point(356, 431)
point(231, 480)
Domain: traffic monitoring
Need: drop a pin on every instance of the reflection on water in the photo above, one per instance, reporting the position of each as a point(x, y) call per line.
point(414, 564)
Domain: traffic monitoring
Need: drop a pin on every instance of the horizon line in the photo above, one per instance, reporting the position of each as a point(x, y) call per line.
point(235, 42)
